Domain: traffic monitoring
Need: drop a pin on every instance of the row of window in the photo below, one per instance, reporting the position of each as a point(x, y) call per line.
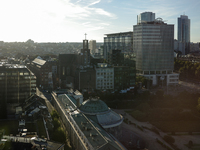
point(99, 83)
point(104, 80)
point(105, 73)
point(104, 87)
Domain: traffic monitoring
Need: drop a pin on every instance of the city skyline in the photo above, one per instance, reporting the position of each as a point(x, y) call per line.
point(68, 21)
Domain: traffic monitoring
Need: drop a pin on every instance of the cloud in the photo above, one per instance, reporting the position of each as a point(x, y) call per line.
point(95, 2)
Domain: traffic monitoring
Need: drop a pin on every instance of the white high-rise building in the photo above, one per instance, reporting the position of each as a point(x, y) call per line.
point(145, 17)
point(92, 46)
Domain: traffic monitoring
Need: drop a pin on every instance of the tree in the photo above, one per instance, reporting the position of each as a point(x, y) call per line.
point(54, 114)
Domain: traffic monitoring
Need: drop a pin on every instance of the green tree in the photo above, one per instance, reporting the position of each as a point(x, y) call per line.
point(54, 114)
point(59, 135)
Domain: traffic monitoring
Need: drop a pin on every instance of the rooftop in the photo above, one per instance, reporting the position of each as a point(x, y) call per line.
point(39, 61)
point(120, 33)
point(93, 105)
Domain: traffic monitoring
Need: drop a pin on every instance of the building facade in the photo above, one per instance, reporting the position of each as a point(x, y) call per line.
point(184, 32)
point(118, 41)
point(104, 77)
point(124, 69)
point(43, 71)
point(153, 44)
point(145, 17)
point(17, 83)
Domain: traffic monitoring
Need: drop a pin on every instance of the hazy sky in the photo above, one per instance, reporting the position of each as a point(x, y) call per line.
point(69, 20)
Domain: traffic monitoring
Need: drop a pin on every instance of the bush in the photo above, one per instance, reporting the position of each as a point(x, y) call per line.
point(169, 139)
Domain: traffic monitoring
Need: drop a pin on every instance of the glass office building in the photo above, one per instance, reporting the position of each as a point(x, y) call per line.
point(118, 41)
point(184, 32)
point(153, 44)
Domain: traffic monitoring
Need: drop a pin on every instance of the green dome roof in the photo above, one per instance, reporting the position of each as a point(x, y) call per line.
point(93, 105)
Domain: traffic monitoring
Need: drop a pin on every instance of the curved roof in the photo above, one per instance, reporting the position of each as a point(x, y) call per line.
point(94, 106)
point(99, 112)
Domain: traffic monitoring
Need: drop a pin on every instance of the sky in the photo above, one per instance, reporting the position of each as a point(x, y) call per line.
point(69, 20)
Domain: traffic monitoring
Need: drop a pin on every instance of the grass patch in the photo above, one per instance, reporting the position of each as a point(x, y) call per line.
point(41, 129)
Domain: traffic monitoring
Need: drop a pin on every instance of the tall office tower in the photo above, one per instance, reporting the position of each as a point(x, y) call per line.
point(184, 32)
point(118, 41)
point(153, 44)
point(145, 17)
point(92, 46)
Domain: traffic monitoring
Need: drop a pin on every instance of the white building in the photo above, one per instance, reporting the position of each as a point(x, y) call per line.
point(104, 76)
point(92, 46)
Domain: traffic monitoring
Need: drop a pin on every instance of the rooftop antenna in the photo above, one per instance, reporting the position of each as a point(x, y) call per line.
point(85, 36)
